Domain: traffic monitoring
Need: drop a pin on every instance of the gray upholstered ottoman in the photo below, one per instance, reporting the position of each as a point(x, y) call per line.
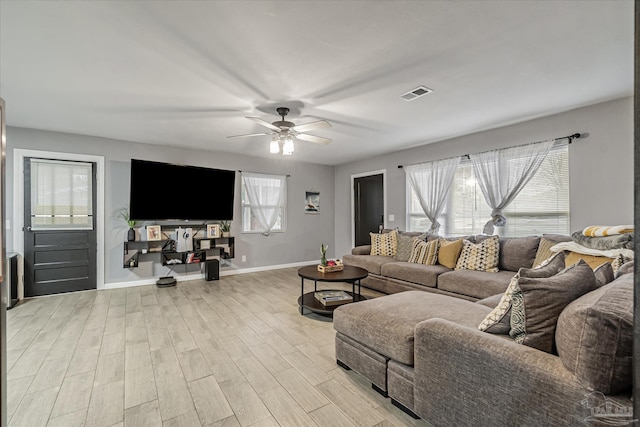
point(376, 336)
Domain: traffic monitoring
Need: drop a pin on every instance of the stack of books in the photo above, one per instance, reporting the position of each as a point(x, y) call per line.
point(330, 298)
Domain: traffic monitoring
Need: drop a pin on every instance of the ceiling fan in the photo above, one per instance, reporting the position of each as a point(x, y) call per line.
point(284, 132)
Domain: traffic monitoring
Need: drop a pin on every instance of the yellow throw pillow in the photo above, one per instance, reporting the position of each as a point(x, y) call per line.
point(593, 261)
point(424, 252)
point(385, 244)
point(483, 256)
point(448, 252)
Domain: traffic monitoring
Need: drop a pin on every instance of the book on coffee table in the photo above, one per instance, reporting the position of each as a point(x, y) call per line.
point(330, 298)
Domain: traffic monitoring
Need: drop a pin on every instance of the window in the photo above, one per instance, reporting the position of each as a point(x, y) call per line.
point(263, 200)
point(541, 207)
point(61, 195)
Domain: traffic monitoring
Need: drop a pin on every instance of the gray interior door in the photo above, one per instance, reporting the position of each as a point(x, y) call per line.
point(59, 226)
point(369, 207)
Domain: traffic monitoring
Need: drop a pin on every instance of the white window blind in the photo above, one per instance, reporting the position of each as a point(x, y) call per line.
point(541, 207)
point(61, 195)
point(263, 196)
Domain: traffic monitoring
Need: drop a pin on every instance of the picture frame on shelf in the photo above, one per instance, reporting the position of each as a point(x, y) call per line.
point(213, 231)
point(205, 244)
point(154, 233)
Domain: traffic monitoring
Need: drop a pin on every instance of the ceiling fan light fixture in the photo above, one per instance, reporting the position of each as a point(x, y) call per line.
point(274, 147)
point(287, 148)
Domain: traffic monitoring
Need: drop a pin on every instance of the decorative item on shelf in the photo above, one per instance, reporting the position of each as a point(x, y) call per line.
point(225, 227)
point(331, 267)
point(205, 244)
point(124, 214)
point(153, 233)
point(213, 231)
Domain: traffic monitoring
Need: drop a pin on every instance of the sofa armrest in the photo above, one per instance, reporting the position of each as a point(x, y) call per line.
point(467, 377)
point(361, 250)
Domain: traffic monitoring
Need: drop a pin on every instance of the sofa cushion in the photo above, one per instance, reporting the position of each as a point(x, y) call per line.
point(604, 274)
point(424, 252)
point(422, 274)
point(476, 284)
point(544, 248)
point(384, 244)
point(405, 245)
point(625, 268)
point(386, 324)
point(594, 337)
point(499, 320)
point(537, 302)
point(516, 252)
point(483, 256)
point(449, 251)
point(371, 263)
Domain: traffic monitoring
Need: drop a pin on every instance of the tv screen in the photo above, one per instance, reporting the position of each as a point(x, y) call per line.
point(162, 191)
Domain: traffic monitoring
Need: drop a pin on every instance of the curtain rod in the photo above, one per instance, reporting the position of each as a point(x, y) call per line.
point(569, 137)
point(288, 176)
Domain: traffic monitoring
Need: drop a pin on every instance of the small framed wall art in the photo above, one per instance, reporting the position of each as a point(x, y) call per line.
point(213, 231)
point(153, 233)
point(312, 202)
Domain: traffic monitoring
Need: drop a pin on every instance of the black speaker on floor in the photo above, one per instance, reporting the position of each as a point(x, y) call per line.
point(212, 270)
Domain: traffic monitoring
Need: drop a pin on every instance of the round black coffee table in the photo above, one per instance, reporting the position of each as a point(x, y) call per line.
point(350, 274)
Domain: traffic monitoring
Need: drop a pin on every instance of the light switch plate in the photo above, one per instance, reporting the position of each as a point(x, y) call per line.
point(392, 217)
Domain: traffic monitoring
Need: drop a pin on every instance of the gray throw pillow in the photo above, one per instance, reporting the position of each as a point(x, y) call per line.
point(499, 320)
point(537, 302)
point(604, 274)
point(404, 247)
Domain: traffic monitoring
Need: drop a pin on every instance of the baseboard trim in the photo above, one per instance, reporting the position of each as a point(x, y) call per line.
point(200, 276)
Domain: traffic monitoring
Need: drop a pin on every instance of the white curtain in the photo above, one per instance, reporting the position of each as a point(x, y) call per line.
point(502, 174)
point(266, 195)
point(431, 182)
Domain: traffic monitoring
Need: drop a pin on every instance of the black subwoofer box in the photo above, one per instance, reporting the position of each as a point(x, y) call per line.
point(212, 270)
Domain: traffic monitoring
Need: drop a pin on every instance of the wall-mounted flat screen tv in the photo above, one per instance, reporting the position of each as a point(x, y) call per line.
point(163, 191)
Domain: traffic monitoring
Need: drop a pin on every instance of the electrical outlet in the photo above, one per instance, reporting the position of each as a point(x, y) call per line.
point(244, 258)
point(392, 217)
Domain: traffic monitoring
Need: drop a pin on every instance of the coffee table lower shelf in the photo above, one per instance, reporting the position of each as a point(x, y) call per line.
point(310, 302)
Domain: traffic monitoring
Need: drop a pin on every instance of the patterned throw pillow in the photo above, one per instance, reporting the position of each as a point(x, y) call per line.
point(448, 252)
point(499, 320)
point(537, 302)
point(385, 244)
point(483, 256)
point(405, 246)
point(423, 252)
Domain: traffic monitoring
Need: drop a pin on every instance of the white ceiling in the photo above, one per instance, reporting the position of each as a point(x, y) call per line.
point(186, 73)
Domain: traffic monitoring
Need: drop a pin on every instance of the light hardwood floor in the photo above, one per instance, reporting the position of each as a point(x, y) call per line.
point(233, 352)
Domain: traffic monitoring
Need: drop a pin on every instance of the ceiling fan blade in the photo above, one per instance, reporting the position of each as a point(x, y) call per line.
point(265, 124)
point(314, 139)
point(248, 134)
point(320, 124)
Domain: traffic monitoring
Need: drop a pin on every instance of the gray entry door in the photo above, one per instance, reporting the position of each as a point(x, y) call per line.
point(59, 226)
point(369, 207)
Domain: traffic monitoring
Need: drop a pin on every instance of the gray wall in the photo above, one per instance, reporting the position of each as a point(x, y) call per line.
point(601, 165)
point(300, 243)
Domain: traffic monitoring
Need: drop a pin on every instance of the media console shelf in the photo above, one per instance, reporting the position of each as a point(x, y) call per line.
point(219, 247)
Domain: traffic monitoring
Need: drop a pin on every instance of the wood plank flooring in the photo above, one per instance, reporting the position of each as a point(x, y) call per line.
point(233, 352)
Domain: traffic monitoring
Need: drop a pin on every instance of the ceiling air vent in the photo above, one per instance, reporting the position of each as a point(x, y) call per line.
point(416, 93)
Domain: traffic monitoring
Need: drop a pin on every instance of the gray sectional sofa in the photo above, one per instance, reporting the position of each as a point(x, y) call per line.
point(388, 275)
point(424, 350)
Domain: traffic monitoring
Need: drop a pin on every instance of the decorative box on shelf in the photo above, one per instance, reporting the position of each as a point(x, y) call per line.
point(331, 268)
